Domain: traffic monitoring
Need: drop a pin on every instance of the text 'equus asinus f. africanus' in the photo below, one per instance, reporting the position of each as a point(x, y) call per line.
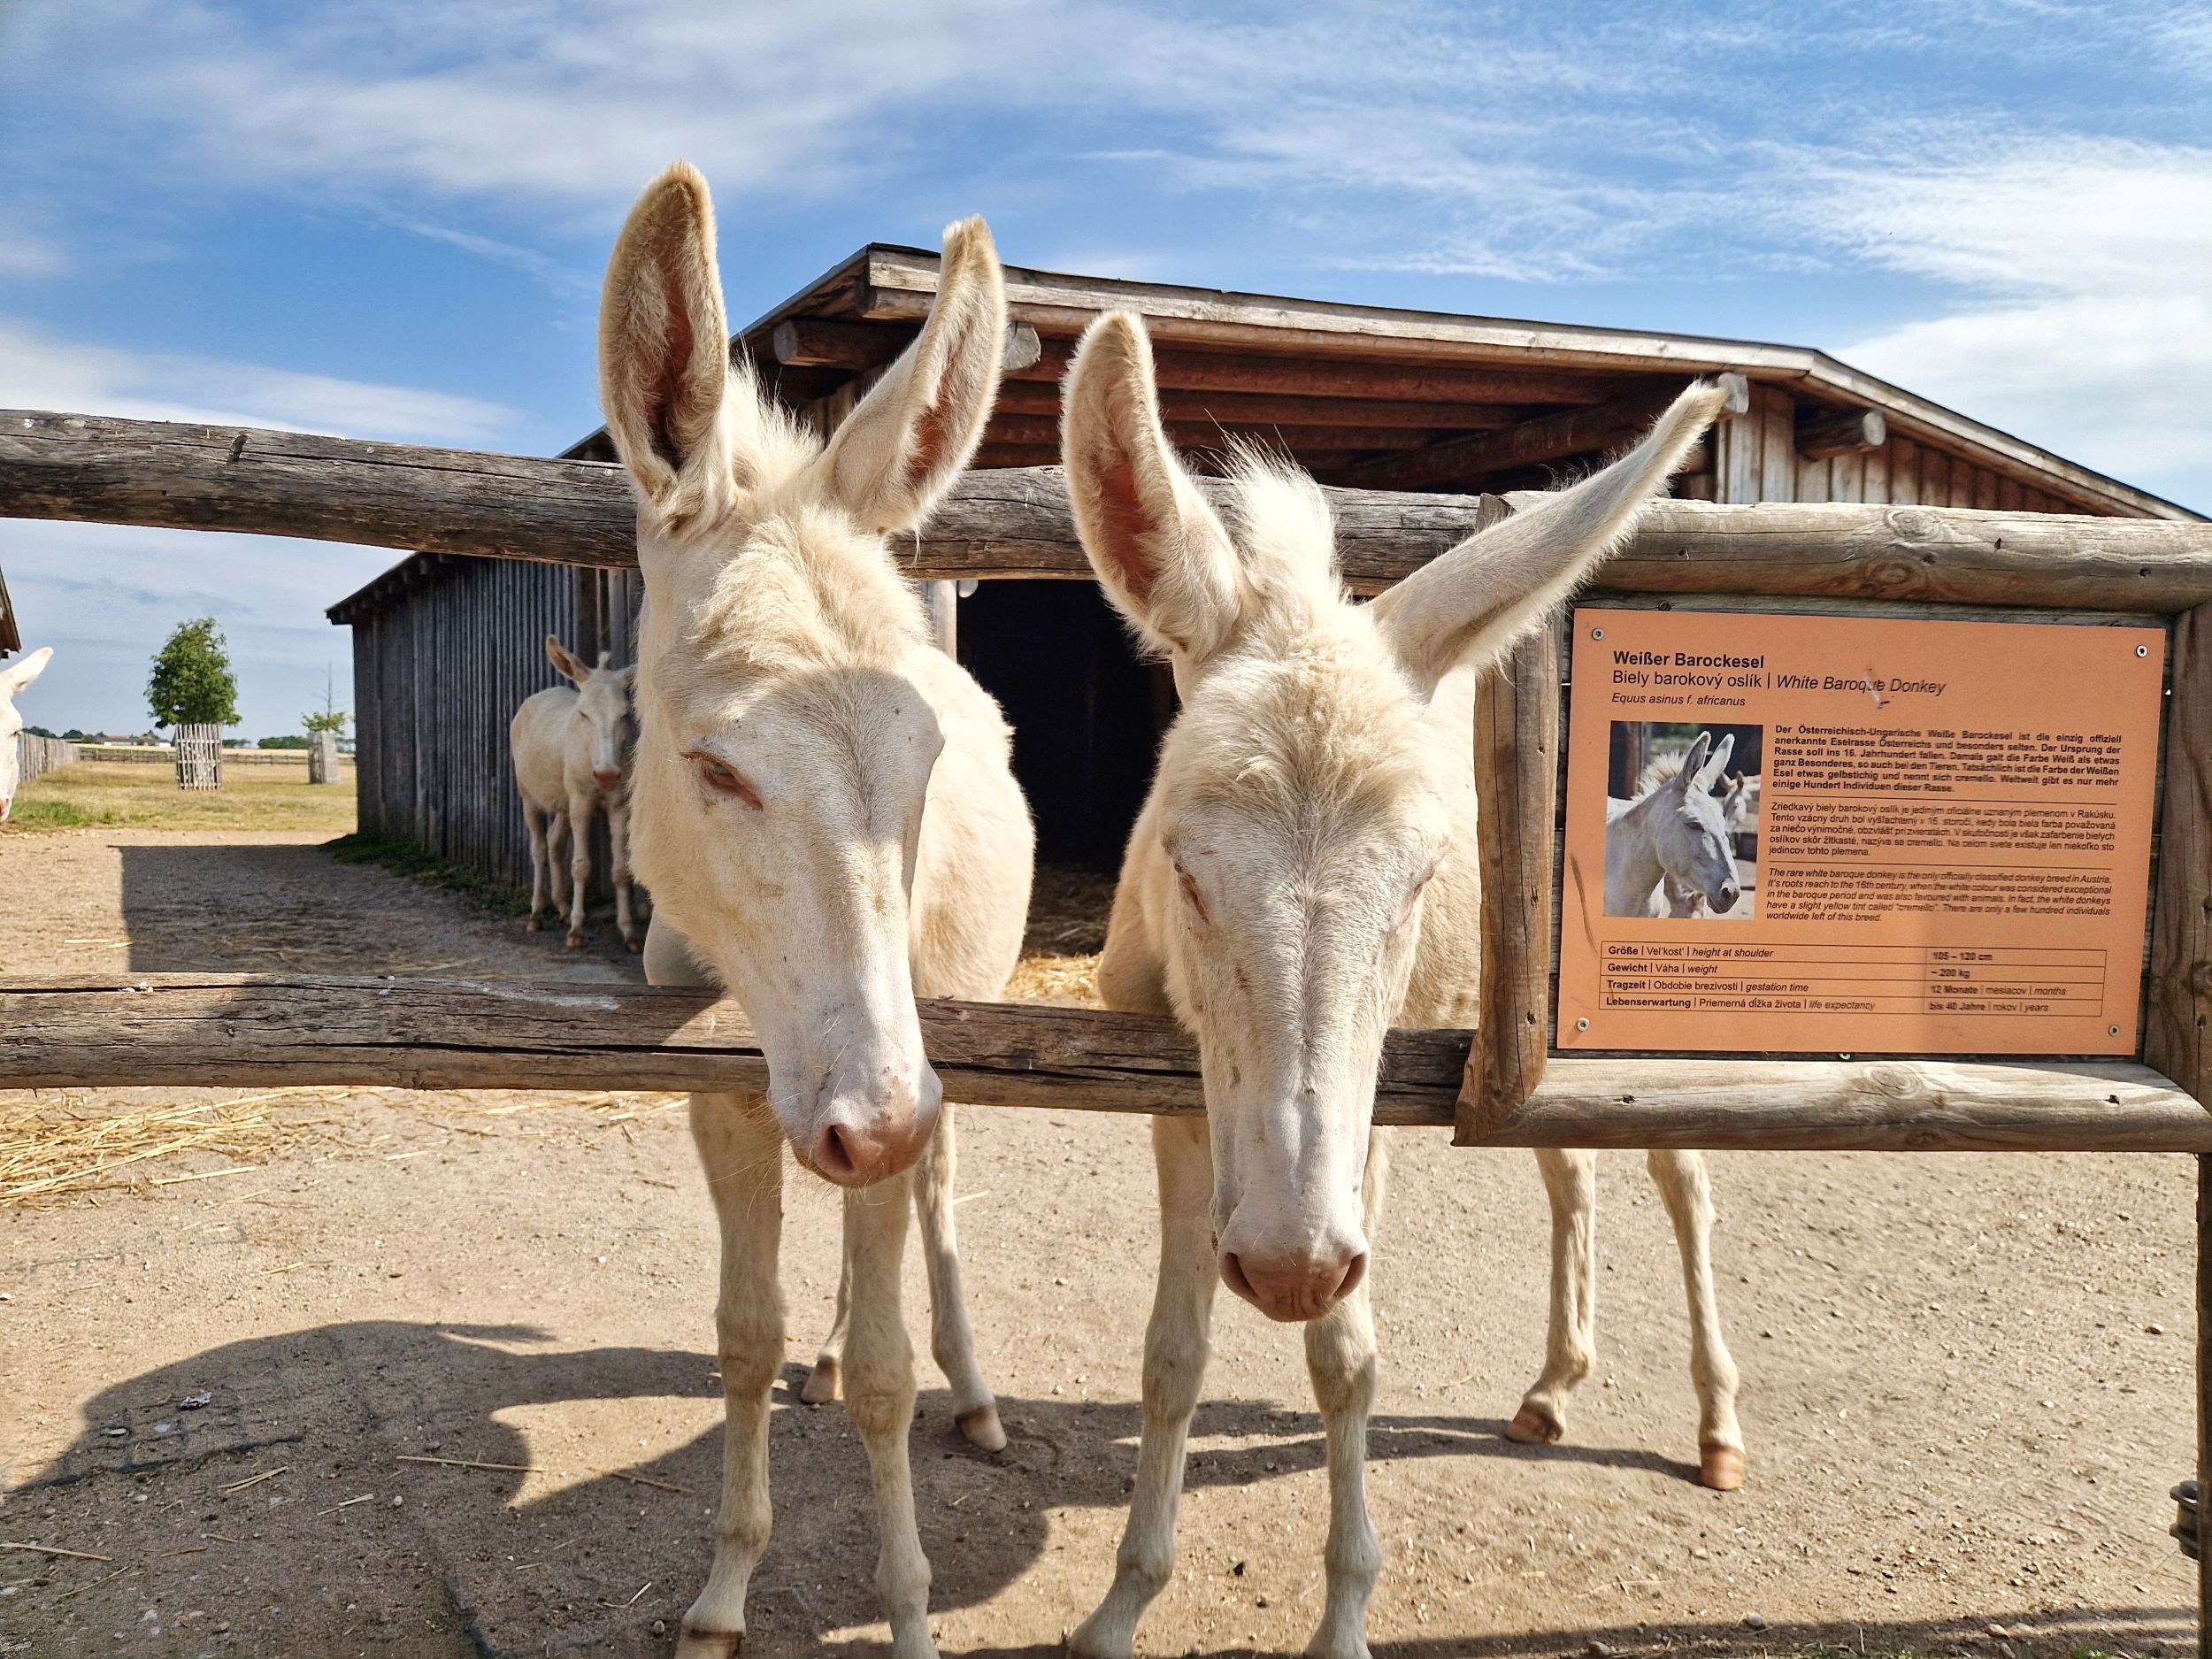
point(828, 821)
point(1303, 875)
point(571, 748)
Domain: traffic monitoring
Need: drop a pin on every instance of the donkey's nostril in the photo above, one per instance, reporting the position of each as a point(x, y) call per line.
point(1729, 893)
point(1233, 1275)
point(833, 1155)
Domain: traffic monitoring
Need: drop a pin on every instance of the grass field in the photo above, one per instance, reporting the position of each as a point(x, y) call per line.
point(95, 794)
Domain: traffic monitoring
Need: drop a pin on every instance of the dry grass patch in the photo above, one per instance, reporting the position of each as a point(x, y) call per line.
point(144, 795)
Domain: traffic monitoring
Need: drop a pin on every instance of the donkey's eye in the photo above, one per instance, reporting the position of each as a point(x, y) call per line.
point(1190, 894)
point(1413, 900)
point(724, 780)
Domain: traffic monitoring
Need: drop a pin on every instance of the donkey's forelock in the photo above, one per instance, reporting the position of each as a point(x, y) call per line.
point(1283, 534)
point(804, 590)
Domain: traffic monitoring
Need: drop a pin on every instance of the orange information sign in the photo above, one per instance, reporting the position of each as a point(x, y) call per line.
point(1858, 835)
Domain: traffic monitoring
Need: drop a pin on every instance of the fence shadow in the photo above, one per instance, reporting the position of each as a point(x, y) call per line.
point(246, 908)
point(358, 1396)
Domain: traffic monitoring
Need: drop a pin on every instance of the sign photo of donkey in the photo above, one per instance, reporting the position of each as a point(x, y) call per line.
point(1682, 820)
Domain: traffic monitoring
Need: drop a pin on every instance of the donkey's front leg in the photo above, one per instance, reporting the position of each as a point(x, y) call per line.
point(951, 1341)
point(1175, 1353)
point(580, 810)
point(741, 1151)
point(879, 1395)
point(1570, 1339)
point(1688, 1195)
point(1340, 1360)
point(619, 843)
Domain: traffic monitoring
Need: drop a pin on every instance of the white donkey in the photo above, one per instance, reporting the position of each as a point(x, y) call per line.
point(572, 753)
point(828, 819)
point(1670, 852)
point(12, 680)
point(1302, 876)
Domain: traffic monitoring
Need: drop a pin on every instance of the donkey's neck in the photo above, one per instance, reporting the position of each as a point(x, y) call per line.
point(1633, 865)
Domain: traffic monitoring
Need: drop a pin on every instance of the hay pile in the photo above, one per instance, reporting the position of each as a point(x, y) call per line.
point(1067, 930)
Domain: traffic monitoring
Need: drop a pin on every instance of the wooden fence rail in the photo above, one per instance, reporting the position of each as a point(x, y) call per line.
point(184, 1029)
point(1013, 522)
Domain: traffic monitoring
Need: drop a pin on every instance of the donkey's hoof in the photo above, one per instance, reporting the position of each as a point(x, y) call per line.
point(575, 941)
point(822, 1383)
point(636, 946)
point(709, 1644)
point(533, 925)
point(982, 1427)
point(1721, 1467)
point(1533, 1425)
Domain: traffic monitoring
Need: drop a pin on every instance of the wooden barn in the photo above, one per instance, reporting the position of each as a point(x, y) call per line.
point(11, 636)
point(445, 647)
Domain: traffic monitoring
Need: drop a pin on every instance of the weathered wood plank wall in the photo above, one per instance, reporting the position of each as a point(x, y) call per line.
point(442, 656)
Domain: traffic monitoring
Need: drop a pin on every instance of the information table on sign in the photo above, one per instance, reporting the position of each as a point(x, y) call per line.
point(1856, 835)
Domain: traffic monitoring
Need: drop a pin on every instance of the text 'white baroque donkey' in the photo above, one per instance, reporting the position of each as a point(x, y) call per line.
point(572, 754)
point(828, 820)
point(1305, 875)
point(12, 680)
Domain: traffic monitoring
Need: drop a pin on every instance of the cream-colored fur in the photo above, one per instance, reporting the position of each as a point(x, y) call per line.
point(14, 678)
point(1303, 876)
point(571, 747)
point(828, 820)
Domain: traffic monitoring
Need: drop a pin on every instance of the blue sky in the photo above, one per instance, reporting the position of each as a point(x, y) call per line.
point(388, 219)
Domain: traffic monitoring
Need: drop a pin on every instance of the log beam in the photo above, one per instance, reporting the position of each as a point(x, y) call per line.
point(1267, 409)
point(1186, 370)
point(1822, 432)
point(1015, 524)
point(250, 1030)
point(1553, 437)
point(826, 342)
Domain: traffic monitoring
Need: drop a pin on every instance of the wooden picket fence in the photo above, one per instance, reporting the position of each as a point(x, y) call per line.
point(35, 756)
point(199, 757)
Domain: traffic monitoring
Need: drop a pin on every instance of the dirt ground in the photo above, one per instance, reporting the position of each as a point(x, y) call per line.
point(1967, 1379)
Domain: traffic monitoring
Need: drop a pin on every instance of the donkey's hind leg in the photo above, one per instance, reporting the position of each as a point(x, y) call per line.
point(1688, 1195)
point(827, 1380)
point(534, 817)
point(1570, 1339)
point(950, 1339)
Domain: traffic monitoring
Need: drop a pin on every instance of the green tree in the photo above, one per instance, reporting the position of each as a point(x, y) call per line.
point(333, 718)
point(192, 682)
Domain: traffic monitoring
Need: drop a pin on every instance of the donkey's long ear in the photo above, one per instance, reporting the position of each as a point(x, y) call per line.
point(15, 676)
point(1685, 777)
point(896, 455)
point(1473, 603)
point(563, 660)
point(1709, 773)
point(1160, 551)
point(664, 352)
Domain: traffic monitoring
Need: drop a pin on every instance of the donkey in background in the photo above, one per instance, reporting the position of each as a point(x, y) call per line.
point(571, 745)
point(1670, 851)
point(13, 679)
point(828, 820)
point(1303, 875)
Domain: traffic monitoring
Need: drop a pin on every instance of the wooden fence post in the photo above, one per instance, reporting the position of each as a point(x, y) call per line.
point(2175, 1039)
point(1516, 762)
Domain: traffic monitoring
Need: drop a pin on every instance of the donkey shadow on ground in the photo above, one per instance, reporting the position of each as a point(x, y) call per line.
point(359, 1397)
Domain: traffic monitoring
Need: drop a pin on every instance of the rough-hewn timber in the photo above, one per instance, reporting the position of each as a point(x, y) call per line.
point(260, 1030)
point(1016, 523)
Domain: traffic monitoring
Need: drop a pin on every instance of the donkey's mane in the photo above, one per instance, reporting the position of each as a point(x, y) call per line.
point(1658, 772)
point(1282, 528)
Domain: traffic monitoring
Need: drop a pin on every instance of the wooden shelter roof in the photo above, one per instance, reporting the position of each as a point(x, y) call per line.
point(1365, 394)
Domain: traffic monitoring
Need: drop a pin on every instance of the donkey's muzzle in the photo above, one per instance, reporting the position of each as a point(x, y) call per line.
point(1293, 1288)
point(1725, 900)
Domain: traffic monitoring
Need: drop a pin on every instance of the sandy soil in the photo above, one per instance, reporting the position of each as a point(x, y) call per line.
point(1968, 1380)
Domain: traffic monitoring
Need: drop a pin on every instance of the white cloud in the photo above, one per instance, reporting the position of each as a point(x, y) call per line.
point(2085, 270)
point(38, 371)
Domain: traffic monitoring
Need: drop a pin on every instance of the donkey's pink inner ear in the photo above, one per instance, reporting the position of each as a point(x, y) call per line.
point(1125, 527)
